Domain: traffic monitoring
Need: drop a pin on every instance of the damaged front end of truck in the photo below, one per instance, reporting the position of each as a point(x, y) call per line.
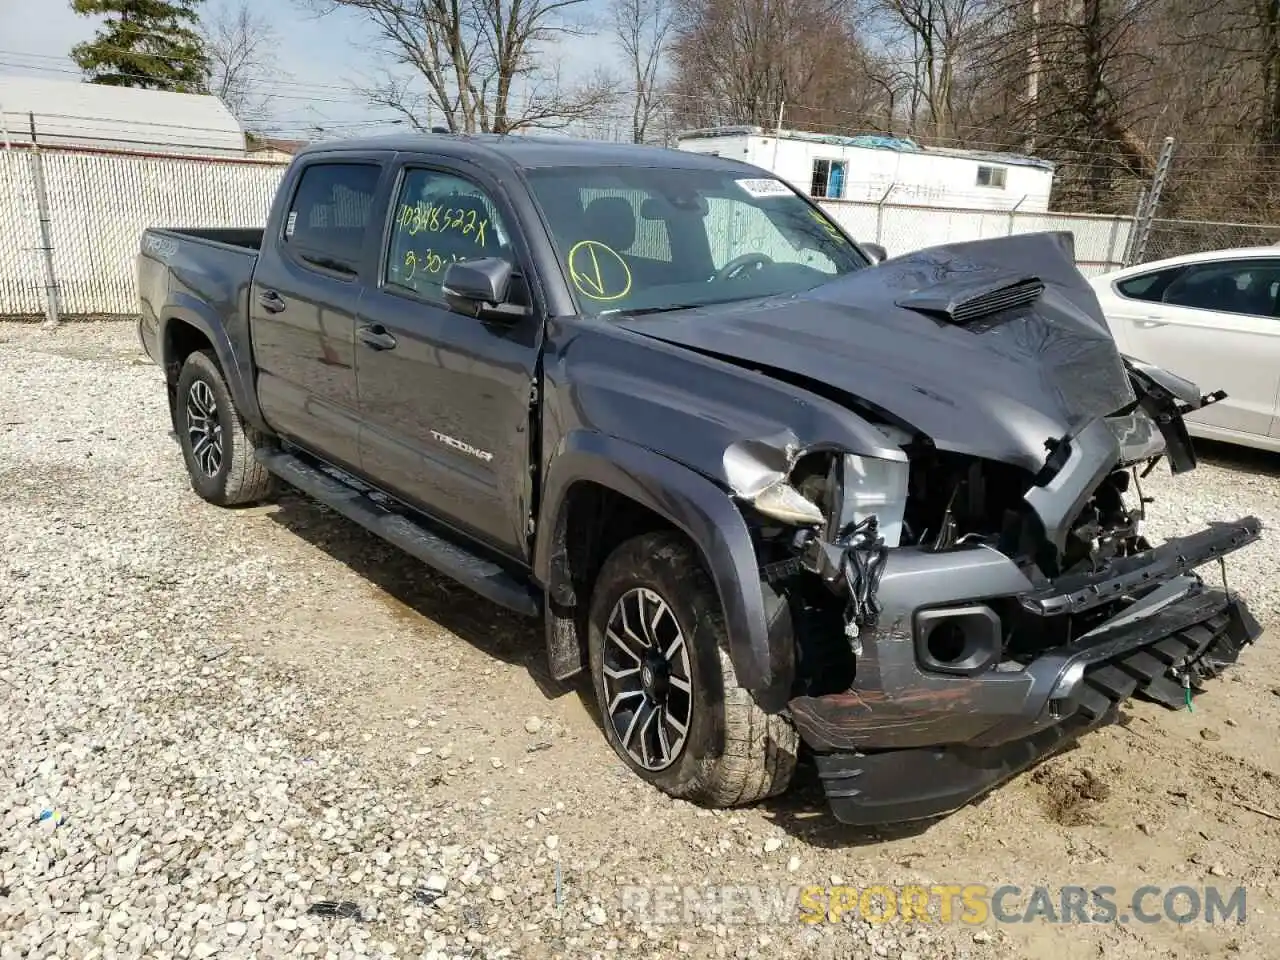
point(981, 593)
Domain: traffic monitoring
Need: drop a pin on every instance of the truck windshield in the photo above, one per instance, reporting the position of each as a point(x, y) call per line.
point(645, 239)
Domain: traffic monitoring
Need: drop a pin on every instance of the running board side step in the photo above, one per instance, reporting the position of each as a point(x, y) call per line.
point(484, 577)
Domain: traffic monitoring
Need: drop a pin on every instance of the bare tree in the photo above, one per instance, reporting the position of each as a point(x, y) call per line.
point(474, 65)
point(935, 39)
point(739, 61)
point(641, 28)
point(1093, 85)
point(238, 42)
point(1077, 78)
point(1243, 39)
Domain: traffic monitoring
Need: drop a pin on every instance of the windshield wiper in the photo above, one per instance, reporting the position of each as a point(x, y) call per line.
point(642, 311)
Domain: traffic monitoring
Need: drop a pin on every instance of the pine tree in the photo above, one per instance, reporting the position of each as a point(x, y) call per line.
point(151, 44)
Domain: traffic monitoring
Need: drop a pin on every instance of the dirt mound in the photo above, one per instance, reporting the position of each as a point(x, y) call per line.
point(1070, 792)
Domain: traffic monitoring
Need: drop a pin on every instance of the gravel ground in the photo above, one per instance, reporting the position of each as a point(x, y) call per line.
point(239, 718)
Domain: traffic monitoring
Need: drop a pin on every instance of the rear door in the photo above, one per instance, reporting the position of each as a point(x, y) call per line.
point(303, 304)
point(1215, 323)
point(445, 398)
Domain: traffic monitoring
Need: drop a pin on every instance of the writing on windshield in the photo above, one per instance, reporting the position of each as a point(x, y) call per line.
point(645, 239)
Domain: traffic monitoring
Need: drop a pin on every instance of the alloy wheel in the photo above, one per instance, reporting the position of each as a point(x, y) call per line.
point(203, 428)
point(647, 682)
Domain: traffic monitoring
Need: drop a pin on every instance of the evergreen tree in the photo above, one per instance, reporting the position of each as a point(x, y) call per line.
point(151, 44)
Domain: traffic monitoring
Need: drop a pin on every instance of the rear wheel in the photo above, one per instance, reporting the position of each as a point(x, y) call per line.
point(216, 444)
point(669, 700)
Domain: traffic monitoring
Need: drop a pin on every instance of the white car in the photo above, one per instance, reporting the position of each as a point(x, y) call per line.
point(1213, 318)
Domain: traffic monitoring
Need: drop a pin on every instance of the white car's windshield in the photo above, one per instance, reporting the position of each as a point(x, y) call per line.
point(643, 239)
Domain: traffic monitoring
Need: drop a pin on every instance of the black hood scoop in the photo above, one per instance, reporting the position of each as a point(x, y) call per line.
point(975, 299)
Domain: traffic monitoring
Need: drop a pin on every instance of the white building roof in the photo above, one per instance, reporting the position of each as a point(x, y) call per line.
point(871, 141)
point(68, 113)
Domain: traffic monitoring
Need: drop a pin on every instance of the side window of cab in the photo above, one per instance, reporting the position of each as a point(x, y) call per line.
point(438, 219)
point(330, 215)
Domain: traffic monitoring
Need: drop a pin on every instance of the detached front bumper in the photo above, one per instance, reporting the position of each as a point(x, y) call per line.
point(910, 741)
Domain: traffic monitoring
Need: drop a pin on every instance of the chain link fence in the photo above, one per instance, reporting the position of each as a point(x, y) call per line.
point(1100, 240)
point(1172, 238)
point(21, 272)
point(98, 206)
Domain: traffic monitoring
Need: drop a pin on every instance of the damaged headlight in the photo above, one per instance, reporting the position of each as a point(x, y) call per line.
point(1138, 435)
point(781, 501)
point(824, 488)
point(867, 486)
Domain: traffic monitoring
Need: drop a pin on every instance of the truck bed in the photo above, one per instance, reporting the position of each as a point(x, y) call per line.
point(249, 238)
point(211, 267)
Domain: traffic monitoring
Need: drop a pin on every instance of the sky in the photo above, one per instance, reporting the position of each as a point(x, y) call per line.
point(319, 60)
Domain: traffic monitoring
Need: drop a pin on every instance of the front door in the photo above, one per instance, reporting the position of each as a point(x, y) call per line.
point(445, 398)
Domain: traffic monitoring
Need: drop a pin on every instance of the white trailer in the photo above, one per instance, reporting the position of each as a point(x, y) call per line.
point(880, 169)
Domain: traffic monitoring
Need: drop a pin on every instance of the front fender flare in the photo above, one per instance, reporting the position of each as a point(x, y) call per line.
point(697, 507)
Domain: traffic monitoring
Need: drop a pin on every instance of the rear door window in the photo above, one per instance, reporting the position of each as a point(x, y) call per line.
point(1230, 286)
point(329, 217)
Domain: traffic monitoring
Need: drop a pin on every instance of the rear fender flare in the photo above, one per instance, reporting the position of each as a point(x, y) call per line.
point(235, 368)
point(697, 507)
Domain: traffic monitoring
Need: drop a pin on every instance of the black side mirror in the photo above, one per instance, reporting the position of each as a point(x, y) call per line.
point(877, 253)
point(480, 288)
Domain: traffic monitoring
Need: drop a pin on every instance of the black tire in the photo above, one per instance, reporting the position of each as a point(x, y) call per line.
point(224, 473)
point(733, 753)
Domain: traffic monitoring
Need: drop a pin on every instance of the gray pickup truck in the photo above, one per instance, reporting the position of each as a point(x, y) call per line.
point(773, 491)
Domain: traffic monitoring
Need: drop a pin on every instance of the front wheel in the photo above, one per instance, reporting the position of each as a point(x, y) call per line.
point(669, 700)
point(216, 444)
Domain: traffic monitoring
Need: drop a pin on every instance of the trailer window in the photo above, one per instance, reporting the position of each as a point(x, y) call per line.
point(828, 179)
point(991, 177)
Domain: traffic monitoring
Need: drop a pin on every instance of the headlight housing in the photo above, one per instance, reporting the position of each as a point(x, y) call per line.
point(868, 485)
point(1138, 435)
point(781, 501)
point(861, 486)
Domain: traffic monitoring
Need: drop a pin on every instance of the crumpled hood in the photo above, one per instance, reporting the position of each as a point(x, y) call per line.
point(998, 388)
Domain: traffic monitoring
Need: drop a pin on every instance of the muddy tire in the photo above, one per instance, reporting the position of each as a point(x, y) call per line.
point(216, 444)
point(669, 701)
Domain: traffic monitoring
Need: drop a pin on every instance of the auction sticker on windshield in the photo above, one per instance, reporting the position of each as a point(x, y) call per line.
point(762, 187)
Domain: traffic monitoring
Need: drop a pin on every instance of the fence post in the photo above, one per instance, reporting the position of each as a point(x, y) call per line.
point(1147, 212)
point(777, 137)
point(1014, 212)
point(1112, 263)
point(880, 213)
point(46, 236)
point(1138, 213)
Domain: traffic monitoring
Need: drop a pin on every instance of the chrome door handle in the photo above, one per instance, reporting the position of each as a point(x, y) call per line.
point(1147, 323)
point(376, 337)
point(271, 301)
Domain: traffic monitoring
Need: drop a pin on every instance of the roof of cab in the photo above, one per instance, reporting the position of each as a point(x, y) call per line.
point(528, 152)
